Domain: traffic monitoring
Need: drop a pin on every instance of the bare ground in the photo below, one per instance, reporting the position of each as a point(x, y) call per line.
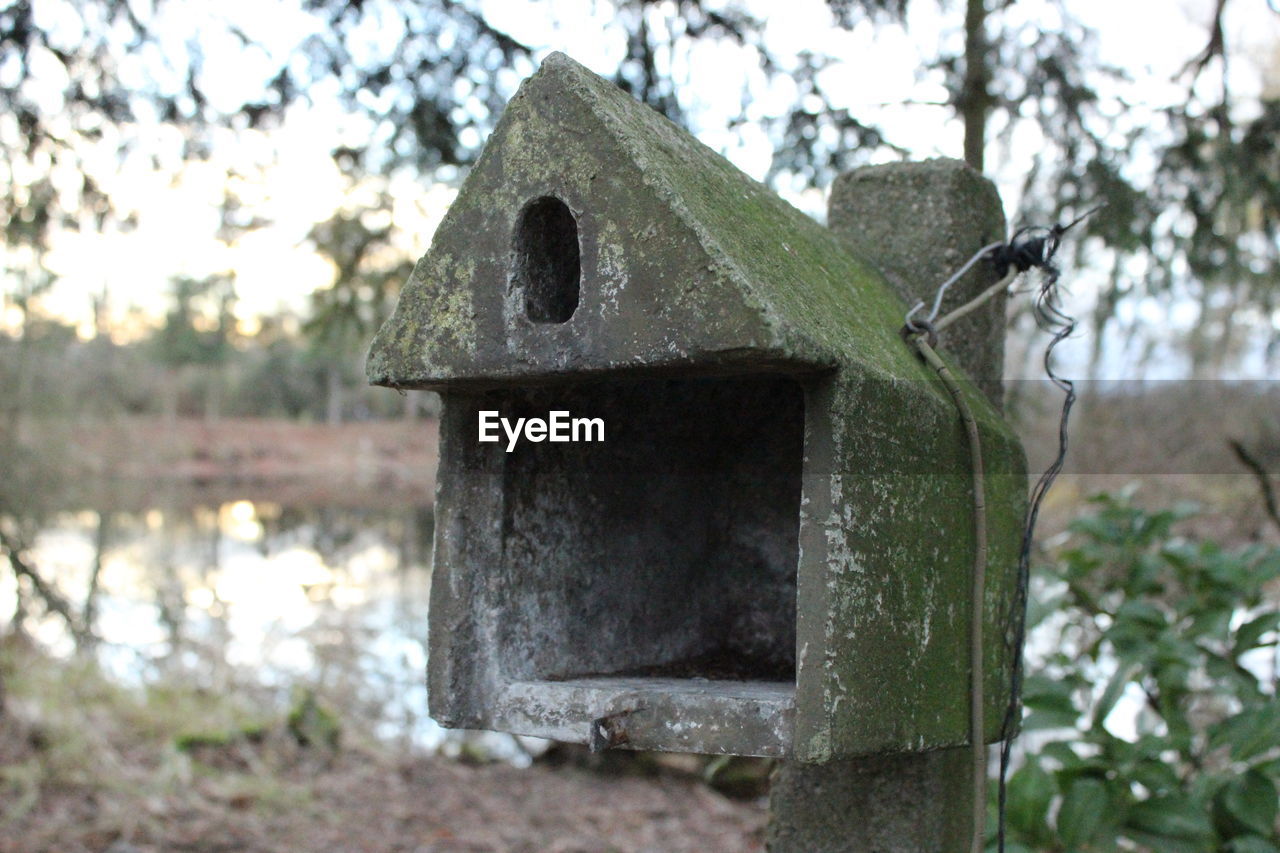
point(88, 766)
point(367, 803)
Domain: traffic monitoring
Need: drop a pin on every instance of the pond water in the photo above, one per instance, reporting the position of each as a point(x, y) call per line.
point(242, 594)
point(249, 594)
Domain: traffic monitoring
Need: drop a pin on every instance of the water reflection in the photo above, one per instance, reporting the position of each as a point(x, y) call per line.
point(248, 595)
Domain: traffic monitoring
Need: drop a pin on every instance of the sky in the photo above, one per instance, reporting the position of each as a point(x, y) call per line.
point(288, 177)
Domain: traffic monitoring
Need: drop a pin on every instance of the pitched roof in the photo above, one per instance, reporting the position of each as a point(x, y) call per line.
point(685, 260)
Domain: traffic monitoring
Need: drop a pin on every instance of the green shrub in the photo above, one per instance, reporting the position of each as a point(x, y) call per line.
point(1153, 723)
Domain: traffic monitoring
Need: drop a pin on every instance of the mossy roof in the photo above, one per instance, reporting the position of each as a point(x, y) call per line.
point(686, 261)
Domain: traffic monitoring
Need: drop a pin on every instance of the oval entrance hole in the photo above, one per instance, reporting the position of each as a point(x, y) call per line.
point(547, 262)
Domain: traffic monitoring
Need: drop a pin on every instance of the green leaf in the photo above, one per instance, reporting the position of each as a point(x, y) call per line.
point(1081, 813)
point(1246, 805)
point(1030, 791)
point(1037, 720)
point(1155, 775)
point(1227, 570)
point(1211, 621)
point(1115, 689)
point(1269, 768)
point(1251, 844)
point(1251, 732)
point(1229, 676)
point(1062, 753)
point(1173, 823)
point(1267, 568)
point(1040, 693)
point(1173, 669)
point(1142, 613)
point(1249, 635)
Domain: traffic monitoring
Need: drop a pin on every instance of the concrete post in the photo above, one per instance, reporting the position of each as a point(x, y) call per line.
point(907, 803)
point(918, 223)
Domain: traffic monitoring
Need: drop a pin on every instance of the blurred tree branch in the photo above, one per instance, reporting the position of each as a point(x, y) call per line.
point(1192, 190)
point(46, 591)
point(1251, 462)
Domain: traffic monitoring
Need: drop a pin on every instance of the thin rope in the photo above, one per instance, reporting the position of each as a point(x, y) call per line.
point(977, 301)
point(977, 599)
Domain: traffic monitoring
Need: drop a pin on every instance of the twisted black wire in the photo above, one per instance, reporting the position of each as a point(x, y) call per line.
point(1049, 317)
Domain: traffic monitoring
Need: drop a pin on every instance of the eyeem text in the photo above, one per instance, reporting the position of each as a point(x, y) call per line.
point(557, 426)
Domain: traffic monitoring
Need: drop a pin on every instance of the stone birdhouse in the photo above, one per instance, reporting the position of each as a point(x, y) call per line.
point(734, 513)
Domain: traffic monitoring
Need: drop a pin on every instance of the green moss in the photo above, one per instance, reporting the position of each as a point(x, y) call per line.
point(689, 264)
point(312, 724)
point(722, 264)
point(194, 741)
point(788, 264)
point(692, 257)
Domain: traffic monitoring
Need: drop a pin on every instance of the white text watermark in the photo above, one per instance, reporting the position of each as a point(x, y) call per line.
point(558, 426)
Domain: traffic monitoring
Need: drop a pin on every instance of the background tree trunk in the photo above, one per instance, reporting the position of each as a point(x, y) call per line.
point(975, 94)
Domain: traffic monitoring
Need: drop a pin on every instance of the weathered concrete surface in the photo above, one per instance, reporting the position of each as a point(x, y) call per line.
point(680, 714)
point(918, 223)
point(891, 528)
point(685, 261)
point(783, 497)
point(909, 218)
point(914, 803)
point(663, 552)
